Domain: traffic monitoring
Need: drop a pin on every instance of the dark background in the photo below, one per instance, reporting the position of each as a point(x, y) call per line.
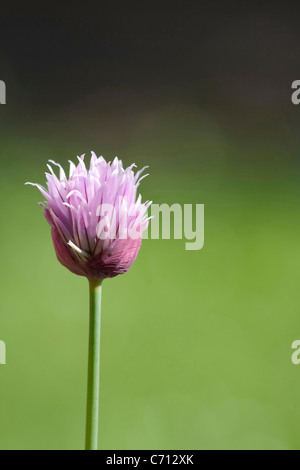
point(236, 62)
point(223, 55)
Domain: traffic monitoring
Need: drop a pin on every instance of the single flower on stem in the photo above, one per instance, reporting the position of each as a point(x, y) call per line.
point(97, 222)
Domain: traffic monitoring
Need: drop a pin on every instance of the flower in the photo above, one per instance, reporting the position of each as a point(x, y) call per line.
point(96, 218)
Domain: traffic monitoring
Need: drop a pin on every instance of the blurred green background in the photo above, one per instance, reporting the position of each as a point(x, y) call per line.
point(196, 345)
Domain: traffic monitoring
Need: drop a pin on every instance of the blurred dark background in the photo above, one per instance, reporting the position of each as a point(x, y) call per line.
point(225, 56)
point(232, 62)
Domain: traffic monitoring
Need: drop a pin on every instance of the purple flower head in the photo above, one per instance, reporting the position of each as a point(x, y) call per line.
point(96, 218)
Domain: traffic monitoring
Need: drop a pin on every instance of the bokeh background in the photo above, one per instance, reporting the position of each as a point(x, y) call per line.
point(196, 345)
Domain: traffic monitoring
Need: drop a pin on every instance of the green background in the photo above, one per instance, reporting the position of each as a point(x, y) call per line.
point(196, 345)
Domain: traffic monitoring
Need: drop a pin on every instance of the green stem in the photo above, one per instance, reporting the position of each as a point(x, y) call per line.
point(92, 411)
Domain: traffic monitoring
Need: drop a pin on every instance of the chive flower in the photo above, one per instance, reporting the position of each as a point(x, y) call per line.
point(95, 216)
point(97, 222)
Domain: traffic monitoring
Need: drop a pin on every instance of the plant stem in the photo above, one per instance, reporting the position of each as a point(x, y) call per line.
point(92, 410)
